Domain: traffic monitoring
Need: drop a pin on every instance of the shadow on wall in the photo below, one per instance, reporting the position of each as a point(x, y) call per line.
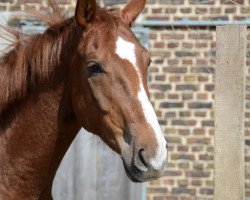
point(91, 171)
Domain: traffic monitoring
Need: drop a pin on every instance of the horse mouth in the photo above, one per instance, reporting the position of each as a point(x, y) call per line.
point(138, 176)
point(132, 175)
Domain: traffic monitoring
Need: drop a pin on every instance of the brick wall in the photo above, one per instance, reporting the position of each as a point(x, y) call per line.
point(181, 85)
point(197, 9)
point(182, 90)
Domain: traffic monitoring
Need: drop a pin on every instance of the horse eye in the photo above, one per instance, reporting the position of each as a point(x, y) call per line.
point(149, 63)
point(94, 69)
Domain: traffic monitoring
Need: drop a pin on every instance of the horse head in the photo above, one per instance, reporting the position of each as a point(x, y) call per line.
point(109, 88)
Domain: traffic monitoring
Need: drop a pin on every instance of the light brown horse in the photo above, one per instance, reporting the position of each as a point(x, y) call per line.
point(87, 71)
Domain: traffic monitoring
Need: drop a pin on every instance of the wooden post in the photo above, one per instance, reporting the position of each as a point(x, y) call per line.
point(229, 112)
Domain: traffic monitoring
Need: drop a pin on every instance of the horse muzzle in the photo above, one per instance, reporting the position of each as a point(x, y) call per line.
point(138, 176)
point(139, 168)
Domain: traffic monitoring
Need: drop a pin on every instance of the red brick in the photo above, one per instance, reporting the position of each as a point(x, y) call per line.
point(197, 174)
point(198, 140)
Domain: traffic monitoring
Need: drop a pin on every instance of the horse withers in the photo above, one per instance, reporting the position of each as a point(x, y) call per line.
point(87, 71)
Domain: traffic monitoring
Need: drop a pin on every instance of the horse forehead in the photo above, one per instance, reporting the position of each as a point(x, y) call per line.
point(129, 49)
point(126, 50)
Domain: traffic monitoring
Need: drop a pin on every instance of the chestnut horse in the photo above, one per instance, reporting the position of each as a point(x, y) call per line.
point(87, 71)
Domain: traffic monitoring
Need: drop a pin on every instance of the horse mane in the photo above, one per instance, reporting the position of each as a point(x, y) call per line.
point(31, 57)
point(34, 57)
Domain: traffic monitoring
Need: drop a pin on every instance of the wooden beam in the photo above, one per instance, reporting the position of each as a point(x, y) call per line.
point(229, 112)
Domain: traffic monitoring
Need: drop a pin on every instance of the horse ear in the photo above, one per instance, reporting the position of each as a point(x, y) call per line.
point(132, 10)
point(85, 12)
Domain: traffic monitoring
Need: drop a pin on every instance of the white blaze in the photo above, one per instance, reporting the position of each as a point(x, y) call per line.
point(126, 50)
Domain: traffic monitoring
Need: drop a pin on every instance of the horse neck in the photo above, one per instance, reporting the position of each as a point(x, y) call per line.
point(34, 136)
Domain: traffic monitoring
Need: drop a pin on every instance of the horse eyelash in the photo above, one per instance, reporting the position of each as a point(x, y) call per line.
point(149, 63)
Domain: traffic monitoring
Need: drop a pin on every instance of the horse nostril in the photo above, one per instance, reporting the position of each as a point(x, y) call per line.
point(167, 146)
point(142, 158)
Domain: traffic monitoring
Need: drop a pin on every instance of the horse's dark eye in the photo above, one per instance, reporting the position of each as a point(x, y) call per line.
point(149, 63)
point(94, 69)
